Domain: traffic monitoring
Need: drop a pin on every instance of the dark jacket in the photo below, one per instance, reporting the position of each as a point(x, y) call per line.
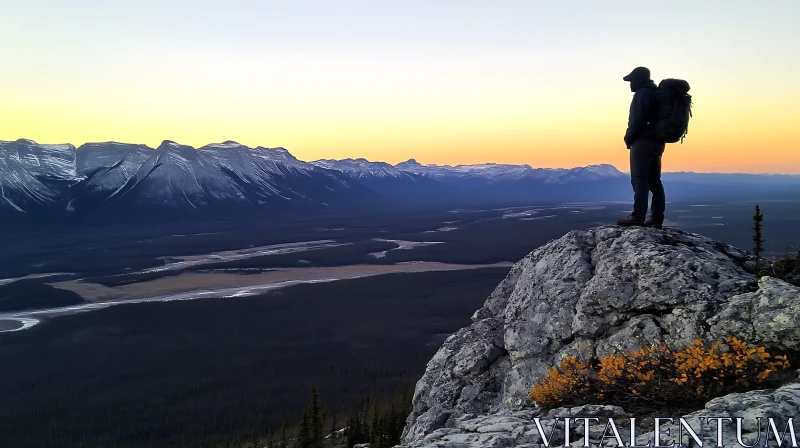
point(643, 111)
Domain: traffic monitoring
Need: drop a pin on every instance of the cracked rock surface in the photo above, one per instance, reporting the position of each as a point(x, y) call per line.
point(509, 428)
point(591, 292)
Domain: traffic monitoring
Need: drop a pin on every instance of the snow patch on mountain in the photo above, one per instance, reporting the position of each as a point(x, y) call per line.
point(33, 176)
point(361, 168)
point(506, 172)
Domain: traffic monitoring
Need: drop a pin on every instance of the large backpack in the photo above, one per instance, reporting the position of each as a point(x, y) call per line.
point(674, 110)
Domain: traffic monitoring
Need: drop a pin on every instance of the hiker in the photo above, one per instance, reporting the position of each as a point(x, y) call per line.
point(658, 115)
point(645, 152)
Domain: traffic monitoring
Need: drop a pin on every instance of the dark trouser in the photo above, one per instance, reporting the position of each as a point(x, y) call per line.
point(646, 177)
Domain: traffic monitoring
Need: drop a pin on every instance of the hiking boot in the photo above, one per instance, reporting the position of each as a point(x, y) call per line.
point(630, 221)
point(653, 222)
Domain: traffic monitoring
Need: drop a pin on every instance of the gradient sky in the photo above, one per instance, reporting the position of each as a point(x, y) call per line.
point(443, 81)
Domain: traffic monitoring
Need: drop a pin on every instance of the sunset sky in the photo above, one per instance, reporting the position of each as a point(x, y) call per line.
point(442, 81)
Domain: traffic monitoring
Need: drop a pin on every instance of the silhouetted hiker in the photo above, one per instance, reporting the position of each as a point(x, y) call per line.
point(646, 152)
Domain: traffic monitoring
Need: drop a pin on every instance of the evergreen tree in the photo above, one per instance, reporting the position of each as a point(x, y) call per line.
point(758, 247)
point(333, 428)
point(315, 420)
point(255, 442)
point(284, 436)
point(375, 428)
point(304, 438)
point(391, 427)
point(363, 433)
point(352, 431)
point(357, 431)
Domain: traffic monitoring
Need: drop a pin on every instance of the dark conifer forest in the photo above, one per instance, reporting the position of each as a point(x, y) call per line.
point(210, 372)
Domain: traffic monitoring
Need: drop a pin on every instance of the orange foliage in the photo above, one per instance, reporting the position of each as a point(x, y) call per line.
point(659, 374)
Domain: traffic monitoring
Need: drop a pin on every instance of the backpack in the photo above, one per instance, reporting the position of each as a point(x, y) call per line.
point(674, 110)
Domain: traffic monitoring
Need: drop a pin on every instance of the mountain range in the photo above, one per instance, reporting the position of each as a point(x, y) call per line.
point(132, 178)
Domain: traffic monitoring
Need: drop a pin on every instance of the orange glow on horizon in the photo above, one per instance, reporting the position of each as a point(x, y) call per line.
point(547, 103)
point(462, 130)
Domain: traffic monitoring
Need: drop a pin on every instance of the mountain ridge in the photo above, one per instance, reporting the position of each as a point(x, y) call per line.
point(409, 162)
point(124, 178)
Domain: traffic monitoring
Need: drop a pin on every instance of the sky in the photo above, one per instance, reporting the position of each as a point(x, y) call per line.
point(441, 81)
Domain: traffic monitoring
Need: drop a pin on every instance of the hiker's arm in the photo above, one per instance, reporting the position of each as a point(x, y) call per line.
point(641, 105)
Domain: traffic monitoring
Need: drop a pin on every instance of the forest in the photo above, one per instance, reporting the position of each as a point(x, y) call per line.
point(200, 373)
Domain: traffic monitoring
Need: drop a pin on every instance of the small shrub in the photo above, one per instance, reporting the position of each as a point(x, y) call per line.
point(786, 268)
point(660, 375)
point(565, 385)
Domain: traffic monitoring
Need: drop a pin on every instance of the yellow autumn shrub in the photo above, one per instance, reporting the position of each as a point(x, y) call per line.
point(659, 375)
point(570, 379)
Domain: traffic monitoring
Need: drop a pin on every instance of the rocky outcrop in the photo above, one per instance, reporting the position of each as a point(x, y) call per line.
point(507, 428)
point(592, 292)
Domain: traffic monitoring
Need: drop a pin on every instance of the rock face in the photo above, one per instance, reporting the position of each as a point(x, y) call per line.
point(592, 292)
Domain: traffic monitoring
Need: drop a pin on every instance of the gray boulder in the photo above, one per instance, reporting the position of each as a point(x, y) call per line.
point(778, 404)
point(768, 316)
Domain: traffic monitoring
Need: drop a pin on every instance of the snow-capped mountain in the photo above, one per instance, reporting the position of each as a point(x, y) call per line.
point(506, 172)
point(108, 170)
point(34, 176)
point(591, 173)
point(267, 175)
point(487, 170)
point(126, 178)
point(362, 168)
point(171, 177)
point(390, 181)
point(492, 181)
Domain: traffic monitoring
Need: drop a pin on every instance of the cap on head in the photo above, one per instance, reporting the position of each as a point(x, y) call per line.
point(638, 73)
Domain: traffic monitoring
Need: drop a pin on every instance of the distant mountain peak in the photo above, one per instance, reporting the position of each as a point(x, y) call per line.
point(279, 149)
point(105, 146)
point(604, 168)
point(607, 166)
point(279, 153)
point(171, 145)
point(227, 144)
point(361, 168)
